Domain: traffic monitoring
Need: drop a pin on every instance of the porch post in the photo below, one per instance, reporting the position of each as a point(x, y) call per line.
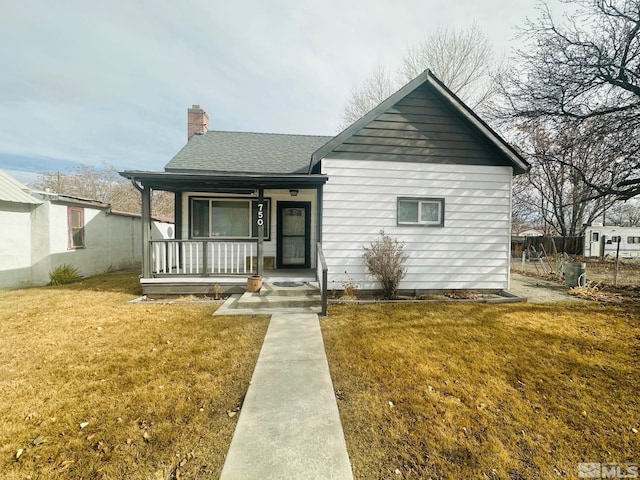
point(260, 253)
point(319, 213)
point(146, 231)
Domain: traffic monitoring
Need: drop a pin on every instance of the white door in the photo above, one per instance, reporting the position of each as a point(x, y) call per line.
point(594, 241)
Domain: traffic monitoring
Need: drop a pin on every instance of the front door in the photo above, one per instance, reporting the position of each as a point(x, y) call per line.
point(294, 239)
point(594, 251)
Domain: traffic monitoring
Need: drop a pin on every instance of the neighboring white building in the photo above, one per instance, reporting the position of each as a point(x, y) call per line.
point(43, 231)
point(600, 241)
point(527, 232)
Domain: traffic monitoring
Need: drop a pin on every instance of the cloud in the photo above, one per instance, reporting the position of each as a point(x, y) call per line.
point(110, 82)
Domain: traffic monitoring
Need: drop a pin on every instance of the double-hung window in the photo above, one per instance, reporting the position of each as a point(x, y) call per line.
point(75, 224)
point(420, 211)
point(228, 218)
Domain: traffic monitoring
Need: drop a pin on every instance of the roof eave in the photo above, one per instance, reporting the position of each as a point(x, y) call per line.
point(519, 164)
point(365, 119)
point(173, 181)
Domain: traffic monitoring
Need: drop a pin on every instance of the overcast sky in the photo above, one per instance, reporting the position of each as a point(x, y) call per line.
point(109, 82)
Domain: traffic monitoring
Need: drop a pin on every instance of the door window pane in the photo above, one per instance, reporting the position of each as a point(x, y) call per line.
point(293, 221)
point(293, 251)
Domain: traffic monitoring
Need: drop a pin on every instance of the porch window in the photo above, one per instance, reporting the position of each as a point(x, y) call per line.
point(227, 218)
point(75, 227)
point(421, 211)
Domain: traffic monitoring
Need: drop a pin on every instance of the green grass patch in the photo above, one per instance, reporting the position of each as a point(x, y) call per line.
point(64, 275)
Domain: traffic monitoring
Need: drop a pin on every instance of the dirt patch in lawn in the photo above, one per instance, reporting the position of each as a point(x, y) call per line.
point(94, 388)
point(514, 391)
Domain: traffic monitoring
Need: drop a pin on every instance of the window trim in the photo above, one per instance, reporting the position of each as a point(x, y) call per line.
point(71, 229)
point(250, 200)
point(420, 200)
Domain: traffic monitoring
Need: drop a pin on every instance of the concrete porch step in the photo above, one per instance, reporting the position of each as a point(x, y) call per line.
point(289, 289)
point(276, 296)
point(260, 301)
point(230, 307)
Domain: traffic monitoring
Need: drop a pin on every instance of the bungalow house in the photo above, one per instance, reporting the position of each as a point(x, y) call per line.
point(422, 166)
point(44, 230)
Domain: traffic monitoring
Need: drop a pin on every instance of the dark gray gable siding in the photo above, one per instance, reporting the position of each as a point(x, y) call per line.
point(422, 122)
point(418, 128)
point(246, 152)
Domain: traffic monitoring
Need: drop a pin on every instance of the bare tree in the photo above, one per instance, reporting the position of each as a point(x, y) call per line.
point(376, 88)
point(463, 59)
point(624, 214)
point(104, 185)
point(564, 163)
point(524, 204)
point(585, 68)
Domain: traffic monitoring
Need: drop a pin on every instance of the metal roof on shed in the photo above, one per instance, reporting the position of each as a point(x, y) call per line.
point(13, 191)
point(247, 152)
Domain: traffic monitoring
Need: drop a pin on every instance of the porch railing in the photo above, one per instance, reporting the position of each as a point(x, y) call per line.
point(321, 273)
point(203, 257)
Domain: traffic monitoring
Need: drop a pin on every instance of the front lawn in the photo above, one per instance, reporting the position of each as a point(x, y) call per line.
point(511, 391)
point(94, 388)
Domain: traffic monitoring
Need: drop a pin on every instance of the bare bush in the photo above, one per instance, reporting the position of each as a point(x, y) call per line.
point(385, 260)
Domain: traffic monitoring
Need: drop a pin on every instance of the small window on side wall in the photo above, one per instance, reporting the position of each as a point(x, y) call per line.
point(75, 223)
point(420, 211)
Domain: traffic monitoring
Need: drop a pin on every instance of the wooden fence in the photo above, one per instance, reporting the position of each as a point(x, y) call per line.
point(569, 245)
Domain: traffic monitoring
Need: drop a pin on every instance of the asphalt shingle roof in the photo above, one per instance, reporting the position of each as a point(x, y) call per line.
point(246, 152)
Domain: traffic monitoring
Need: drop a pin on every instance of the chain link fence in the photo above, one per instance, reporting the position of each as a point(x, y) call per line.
point(598, 270)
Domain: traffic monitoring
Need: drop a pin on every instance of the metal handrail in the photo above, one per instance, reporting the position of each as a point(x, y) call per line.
point(322, 278)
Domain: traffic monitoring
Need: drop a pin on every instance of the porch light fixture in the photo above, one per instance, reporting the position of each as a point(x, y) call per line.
point(293, 192)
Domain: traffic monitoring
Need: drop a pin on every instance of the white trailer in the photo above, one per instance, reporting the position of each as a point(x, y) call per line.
point(602, 241)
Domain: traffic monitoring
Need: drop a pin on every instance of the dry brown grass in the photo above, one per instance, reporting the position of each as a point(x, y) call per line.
point(154, 382)
point(512, 391)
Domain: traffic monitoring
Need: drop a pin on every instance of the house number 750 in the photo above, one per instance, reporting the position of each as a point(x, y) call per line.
point(260, 221)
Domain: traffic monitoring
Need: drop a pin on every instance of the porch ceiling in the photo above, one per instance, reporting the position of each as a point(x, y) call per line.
point(188, 181)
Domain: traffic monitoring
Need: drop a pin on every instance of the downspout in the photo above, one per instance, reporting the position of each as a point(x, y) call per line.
point(136, 185)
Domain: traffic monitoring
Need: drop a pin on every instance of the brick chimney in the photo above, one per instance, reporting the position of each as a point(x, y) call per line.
point(197, 121)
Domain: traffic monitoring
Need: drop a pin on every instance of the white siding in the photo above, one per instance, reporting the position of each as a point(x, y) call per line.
point(471, 251)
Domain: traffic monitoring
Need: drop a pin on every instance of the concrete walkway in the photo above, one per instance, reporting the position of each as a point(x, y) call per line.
point(539, 290)
point(289, 426)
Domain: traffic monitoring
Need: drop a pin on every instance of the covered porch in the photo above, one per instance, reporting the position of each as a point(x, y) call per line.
point(228, 228)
